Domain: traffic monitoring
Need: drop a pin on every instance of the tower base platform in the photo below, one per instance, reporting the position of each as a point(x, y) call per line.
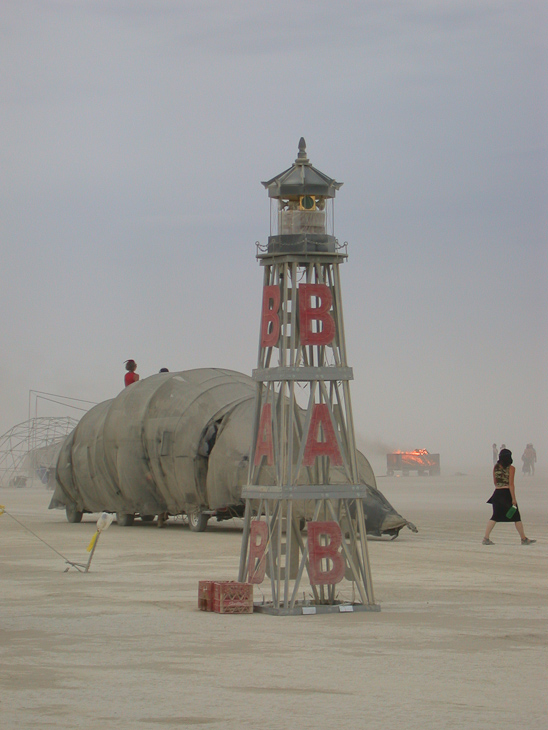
point(310, 609)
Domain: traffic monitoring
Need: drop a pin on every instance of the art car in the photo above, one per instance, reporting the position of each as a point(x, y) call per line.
point(178, 443)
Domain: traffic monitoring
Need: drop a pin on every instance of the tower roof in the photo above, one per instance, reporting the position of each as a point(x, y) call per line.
point(302, 179)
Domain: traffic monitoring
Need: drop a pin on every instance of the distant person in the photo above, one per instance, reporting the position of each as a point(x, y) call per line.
point(131, 376)
point(164, 370)
point(529, 458)
point(533, 458)
point(495, 454)
point(504, 497)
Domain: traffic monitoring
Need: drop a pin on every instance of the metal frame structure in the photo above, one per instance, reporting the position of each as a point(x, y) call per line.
point(295, 449)
point(24, 438)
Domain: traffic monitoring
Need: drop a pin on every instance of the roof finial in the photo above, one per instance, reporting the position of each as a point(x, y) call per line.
point(301, 157)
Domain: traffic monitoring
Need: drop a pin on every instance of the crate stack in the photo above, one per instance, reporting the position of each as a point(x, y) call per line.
point(225, 596)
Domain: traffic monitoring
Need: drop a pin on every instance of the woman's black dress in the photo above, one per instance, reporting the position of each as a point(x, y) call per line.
point(501, 499)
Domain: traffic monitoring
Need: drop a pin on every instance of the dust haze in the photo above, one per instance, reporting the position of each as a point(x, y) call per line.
point(132, 200)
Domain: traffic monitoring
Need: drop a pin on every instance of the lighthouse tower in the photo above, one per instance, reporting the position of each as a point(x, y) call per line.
point(304, 539)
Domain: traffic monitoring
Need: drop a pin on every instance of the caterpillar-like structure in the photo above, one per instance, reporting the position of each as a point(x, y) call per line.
point(178, 443)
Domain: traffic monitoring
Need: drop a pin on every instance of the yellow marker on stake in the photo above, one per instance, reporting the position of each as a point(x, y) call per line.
point(92, 543)
point(2, 509)
point(103, 523)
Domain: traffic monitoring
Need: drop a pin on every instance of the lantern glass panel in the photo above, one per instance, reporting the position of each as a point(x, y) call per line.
point(301, 214)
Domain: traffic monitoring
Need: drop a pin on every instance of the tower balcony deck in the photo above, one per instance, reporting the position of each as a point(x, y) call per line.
point(309, 244)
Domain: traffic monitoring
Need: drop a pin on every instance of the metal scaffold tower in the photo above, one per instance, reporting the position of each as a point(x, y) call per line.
point(303, 467)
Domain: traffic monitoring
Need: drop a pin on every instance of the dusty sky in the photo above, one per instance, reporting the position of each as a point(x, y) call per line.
point(135, 137)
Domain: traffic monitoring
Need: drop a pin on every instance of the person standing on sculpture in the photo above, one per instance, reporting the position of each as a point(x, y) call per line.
point(131, 376)
point(504, 498)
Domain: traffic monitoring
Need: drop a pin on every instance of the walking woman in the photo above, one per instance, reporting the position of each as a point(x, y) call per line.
point(503, 498)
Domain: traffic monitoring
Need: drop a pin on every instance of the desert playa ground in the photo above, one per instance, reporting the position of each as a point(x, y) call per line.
point(460, 641)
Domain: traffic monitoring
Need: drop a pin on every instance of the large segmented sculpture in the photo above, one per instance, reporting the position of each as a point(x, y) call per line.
point(178, 443)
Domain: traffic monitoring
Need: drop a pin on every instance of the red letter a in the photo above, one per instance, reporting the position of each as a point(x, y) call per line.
point(314, 447)
point(265, 447)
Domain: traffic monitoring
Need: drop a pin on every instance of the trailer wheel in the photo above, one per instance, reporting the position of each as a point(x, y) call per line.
point(73, 515)
point(147, 518)
point(124, 519)
point(197, 521)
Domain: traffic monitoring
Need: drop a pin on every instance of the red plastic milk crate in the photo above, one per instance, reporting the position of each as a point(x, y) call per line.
point(205, 595)
point(232, 597)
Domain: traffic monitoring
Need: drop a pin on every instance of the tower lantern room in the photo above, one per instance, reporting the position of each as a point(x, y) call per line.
point(301, 208)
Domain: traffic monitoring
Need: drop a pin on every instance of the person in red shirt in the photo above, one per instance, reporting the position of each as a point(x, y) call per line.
point(131, 376)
